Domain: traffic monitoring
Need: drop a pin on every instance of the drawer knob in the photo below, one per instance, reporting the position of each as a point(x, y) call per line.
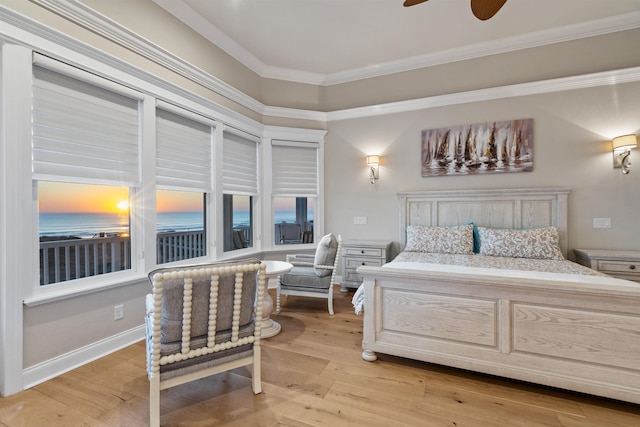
point(361, 252)
point(632, 267)
point(364, 263)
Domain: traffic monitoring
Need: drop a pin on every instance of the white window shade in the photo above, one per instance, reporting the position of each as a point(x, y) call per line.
point(295, 169)
point(83, 132)
point(240, 164)
point(183, 153)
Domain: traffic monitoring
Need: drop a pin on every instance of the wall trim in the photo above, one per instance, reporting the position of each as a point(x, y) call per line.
point(59, 365)
point(583, 30)
point(181, 10)
point(606, 78)
point(86, 17)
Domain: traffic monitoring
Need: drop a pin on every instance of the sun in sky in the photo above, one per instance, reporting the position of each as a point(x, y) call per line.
point(123, 205)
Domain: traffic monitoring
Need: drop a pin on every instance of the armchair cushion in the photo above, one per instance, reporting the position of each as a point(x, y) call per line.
point(326, 254)
point(305, 279)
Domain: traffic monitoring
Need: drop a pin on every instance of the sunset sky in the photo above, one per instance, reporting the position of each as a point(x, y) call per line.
point(82, 198)
point(59, 197)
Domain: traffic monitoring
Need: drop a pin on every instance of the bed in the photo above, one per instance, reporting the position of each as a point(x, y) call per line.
point(576, 330)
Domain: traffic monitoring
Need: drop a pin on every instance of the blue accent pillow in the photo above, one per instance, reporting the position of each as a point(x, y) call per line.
point(476, 239)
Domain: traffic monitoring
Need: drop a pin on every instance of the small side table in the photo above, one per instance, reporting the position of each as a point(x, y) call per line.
point(356, 253)
point(274, 269)
point(620, 264)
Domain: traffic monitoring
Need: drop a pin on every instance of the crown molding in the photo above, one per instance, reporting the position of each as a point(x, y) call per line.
point(295, 113)
point(190, 17)
point(593, 28)
point(86, 17)
point(79, 13)
point(605, 78)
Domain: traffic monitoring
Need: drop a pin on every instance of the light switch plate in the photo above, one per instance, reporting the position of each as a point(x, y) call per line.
point(601, 222)
point(360, 220)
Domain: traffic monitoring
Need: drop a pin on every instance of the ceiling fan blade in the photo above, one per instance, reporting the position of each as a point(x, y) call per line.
point(408, 3)
point(485, 9)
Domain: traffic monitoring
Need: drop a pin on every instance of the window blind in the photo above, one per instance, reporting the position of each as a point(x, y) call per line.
point(83, 132)
point(183, 153)
point(240, 164)
point(294, 169)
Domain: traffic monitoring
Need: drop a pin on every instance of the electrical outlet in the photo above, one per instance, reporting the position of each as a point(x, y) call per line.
point(118, 312)
point(360, 220)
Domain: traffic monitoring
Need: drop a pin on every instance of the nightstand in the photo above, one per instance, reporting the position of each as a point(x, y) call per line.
point(361, 252)
point(620, 264)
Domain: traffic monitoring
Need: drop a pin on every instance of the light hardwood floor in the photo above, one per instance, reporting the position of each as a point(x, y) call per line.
point(313, 375)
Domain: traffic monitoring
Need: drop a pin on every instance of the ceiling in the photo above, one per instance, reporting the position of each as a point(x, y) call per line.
point(334, 41)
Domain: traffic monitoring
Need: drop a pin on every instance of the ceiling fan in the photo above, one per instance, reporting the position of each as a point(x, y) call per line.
point(482, 9)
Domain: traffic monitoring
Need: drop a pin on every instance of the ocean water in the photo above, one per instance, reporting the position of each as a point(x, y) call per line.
point(90, 224)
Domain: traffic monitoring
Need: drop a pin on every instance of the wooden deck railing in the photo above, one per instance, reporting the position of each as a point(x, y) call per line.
point(63, 260)
point(172, 246)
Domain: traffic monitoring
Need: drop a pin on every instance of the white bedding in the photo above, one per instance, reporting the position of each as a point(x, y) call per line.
point(494, 262)
point(482, 265)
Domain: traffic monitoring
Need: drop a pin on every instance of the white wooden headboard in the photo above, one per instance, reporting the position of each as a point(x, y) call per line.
point(520, 208)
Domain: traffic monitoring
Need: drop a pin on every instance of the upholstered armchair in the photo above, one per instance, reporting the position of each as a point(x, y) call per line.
point(202, 320)
point(312, 275)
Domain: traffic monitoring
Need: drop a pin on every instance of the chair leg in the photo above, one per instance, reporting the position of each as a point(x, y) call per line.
point(278, 291)
point(256, 380)
point(330, 300)
point(154, 402)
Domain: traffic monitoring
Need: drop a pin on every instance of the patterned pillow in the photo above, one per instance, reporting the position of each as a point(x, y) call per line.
point(443, 240)
point(538, 243)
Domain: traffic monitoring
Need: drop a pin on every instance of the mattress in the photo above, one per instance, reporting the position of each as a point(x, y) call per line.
point(493, 262)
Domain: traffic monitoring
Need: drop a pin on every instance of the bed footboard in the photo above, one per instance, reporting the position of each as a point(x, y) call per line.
point(576, 336)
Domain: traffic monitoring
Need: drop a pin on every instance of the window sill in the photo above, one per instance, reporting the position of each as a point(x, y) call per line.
point(57, 293)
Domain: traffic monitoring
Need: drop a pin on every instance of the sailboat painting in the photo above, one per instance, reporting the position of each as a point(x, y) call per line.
point(494, 147)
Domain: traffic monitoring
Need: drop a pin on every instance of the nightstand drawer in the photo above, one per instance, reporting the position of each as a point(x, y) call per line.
point(352, 276)
point(368, 252)
point(619, 267)
point(357, 262)
point(620, 264)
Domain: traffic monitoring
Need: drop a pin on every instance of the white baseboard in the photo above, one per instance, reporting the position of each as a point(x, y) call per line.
point(52, 368)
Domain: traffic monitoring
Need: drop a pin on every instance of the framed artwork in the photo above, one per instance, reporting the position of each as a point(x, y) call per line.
point(493, 147)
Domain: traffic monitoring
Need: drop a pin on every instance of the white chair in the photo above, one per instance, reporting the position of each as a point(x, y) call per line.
point(312, 275)
point(202, 320)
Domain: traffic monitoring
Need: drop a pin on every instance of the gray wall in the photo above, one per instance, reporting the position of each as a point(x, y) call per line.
point(572, 148)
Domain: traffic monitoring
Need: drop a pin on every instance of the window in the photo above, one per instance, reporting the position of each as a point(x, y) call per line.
point(183, 176)
point(180, 225)
point(295, 191)
point(238, 217)
point(85, 161)
point(84, 230)
point(240, 186)
point(293, 217)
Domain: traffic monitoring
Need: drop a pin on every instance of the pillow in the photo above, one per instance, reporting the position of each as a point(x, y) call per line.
point(476, 239)
point(539, 243)
point(325, 254)
point(457, 239)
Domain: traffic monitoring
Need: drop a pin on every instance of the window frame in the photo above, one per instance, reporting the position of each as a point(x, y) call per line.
point(295, 137)
point(182, 184)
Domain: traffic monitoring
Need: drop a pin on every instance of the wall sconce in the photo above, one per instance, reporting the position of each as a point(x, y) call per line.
point(622, 146)
point(373, 162)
